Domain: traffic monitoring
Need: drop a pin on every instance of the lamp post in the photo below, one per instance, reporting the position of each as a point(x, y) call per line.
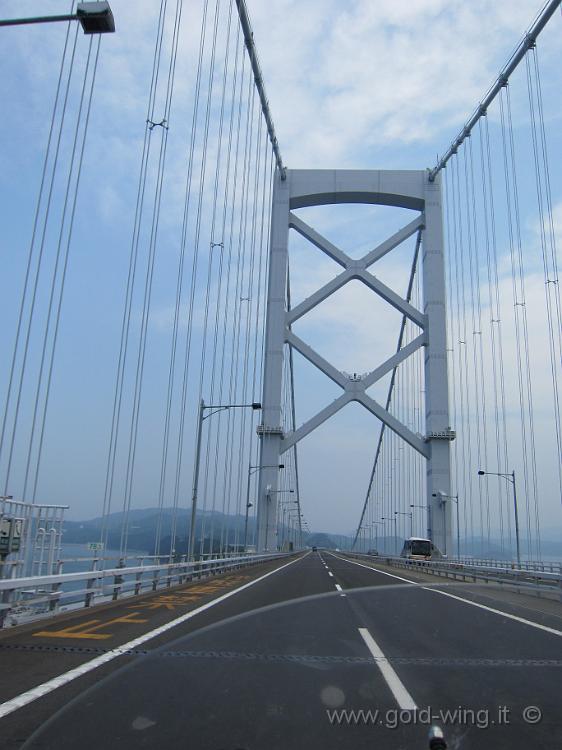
point(510, 478)
point(252, 470)
point(366, 528)
point(363, 536)
point(296, 518)
point(94, 17)
point(456, 499)
point(268, 493)
point(286, 512)
point(393, 518)
point(202, 417)
point(406, 513)
point(374, 525)
point(427, 508)
point(370, 528)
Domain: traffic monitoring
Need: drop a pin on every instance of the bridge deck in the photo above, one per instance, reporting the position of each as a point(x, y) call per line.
point(475, 636)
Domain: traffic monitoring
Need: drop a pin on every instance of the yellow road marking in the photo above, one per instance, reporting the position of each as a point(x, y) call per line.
point(88, 630)
point(171, 601)
point(84, 630)
point(167, 602)
point(76, 631)
point(129, 618)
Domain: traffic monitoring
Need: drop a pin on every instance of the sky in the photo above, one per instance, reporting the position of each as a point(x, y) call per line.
point(351, 85)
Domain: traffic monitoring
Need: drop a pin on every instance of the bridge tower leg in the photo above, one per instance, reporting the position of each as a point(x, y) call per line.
point(270, 430)
point(406, 189)
point(437, 423)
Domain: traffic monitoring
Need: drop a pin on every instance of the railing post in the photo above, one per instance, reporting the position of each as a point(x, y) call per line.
point(138, 583)
point(90, 583)
point(118, 580)
point(7, 599)
point(54, 600)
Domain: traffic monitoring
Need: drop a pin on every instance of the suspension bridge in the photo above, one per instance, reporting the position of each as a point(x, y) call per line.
point(168, 357)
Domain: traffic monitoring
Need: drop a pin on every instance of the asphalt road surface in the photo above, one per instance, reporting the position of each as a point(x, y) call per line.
point(317, 651)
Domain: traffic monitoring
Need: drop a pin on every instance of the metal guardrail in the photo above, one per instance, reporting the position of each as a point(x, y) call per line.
point(47, 592)
point(14, 568)
point(539, 580)
point(531, 565)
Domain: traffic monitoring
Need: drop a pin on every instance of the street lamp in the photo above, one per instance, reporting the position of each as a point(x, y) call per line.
point(373, 525)
point(268, 493)
point(510, 478)
point(456, 499)
point(282, 505)
point(293, 515)
point(252, 470)
point(424, 507)
point(393, 518)
point(202, 416)
point(362, 537)
point(293, 519)
point(94, 17)
point(402, 513)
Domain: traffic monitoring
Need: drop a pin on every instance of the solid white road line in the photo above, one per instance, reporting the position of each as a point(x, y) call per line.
point(375, 570)
point(500, 612)
point(46, 687)
point(403, 697)
point(522, 620)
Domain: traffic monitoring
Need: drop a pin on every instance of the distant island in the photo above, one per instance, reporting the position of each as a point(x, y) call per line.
point(144, 521)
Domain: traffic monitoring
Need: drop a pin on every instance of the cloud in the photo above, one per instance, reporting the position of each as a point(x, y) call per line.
point(346, 80)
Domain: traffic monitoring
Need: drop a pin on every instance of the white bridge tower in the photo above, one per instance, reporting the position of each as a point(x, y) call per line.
point(413, 190)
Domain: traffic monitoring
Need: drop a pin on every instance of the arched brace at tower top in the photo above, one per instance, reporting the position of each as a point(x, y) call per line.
point(402, 189)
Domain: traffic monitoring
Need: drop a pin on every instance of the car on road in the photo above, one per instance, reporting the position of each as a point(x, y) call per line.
point(315, 549)
point(372, 552)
